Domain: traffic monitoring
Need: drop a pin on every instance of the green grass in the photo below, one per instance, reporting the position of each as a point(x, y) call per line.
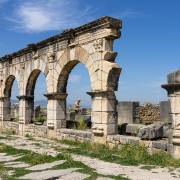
point(126, 155)
point(34, 159)
point(3, 172)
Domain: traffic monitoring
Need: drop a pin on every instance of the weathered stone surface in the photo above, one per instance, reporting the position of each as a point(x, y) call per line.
point(44, 166)
point(6, 158)
point(133, 129)
point(104, 168)
point(74, 176)
point(18, 165)
point(153, 131)
point(90, 44)
point(166, 131)
point(131, 172)
point(160, 145)
point(126, 111)
point(74, 134)
point(43, 175)
point(173, 90)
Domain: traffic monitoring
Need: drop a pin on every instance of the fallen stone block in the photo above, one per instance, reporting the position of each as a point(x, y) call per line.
point(166, 131)
point(133, 129)
point(153, 131)
point(160, 145)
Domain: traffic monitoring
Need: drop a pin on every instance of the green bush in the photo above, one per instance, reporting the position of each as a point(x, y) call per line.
point(40, 118)
point(81, 124)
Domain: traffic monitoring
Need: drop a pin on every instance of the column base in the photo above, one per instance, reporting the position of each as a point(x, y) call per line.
point(174, 150)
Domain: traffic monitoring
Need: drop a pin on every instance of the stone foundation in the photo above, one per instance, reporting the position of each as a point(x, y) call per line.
point(72, 134)
point(88, 136)
point(36, 130)
point(9, 125)
point(118, 140)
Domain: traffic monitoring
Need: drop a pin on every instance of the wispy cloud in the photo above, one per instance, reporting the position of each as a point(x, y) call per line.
point(44, 15)
point(74, 78)
point(130, 13)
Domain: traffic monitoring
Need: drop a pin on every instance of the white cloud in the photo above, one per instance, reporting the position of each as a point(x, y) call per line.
point(127, 13)
point(44, 15)
point(74, 78)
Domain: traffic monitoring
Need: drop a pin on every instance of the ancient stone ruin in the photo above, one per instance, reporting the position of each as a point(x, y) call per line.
point(173, 90)
point(90, 44)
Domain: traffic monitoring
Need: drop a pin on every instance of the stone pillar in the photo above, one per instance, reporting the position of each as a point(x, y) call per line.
point(173, 89)
point(5, 109)
point(56, 110)
point(104, 113)
point(26, 111)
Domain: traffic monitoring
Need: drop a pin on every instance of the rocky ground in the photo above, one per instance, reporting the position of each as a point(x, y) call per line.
point(42, 159)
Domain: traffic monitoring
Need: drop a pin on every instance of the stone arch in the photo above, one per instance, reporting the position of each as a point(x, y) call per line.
point(69, 59)
point(32, 82)
point(27, 100)
point(113, 78)
point(8, 85)
point(6, 111)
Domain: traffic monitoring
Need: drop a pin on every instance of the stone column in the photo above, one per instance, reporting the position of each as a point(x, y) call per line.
point(104, 114)
point(56, 110)
point(173, 89)
point(26, 112)
point(5, 109)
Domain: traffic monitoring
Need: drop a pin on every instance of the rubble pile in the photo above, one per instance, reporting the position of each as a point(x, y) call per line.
point(148, 113)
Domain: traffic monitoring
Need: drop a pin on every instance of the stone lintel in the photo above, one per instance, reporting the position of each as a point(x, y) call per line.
point(99, 93)
point(171, 88)
point(24, 97)
point(4, 98)
point(56, 96)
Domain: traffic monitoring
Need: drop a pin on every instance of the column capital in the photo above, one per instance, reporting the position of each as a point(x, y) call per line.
point(4, 98)
point(100, 93)
point(24, 97)
point(56, 96)
point(171, 88)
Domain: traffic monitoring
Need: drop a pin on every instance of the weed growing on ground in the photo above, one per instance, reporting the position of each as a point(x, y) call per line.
point(128, 154)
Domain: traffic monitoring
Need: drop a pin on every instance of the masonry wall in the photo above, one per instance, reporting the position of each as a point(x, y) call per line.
point(164, 111)
point(9, 125)
point(126, 112)
point(36, 130)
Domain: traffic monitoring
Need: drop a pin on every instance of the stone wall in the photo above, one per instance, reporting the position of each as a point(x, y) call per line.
point(72, 134)
point(87, 136)
point(164, 112)
point(36, 130)
point(118, 140)
point(9, 125)
point(126, 111)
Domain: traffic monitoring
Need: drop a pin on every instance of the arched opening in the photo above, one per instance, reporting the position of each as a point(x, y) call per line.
point(75, 81)
point(11, 103)
point(35, 90)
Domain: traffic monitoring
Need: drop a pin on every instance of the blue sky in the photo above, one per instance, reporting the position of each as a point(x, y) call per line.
point(148, 50)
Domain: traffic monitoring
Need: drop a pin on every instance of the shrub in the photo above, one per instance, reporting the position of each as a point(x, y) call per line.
point(81, 124)
point(40, 118)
